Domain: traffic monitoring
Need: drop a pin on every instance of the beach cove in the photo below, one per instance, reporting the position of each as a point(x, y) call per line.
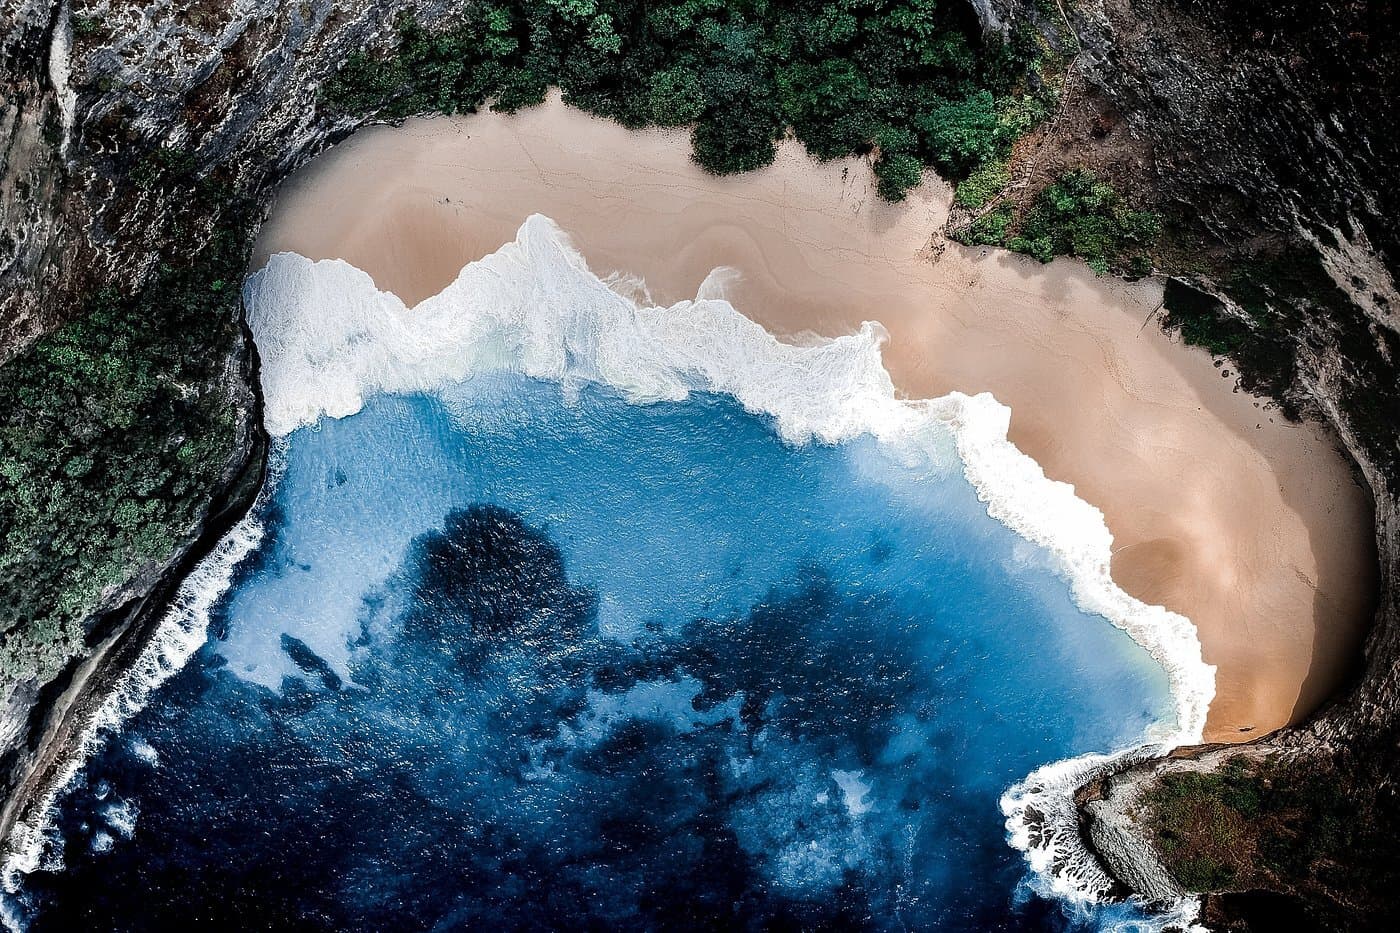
point(1221, 510)
point(641, 474)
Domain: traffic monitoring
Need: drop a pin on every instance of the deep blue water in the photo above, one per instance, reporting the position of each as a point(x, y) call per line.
point(507, 659)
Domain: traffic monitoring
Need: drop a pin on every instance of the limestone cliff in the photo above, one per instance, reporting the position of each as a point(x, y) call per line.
point(1267, 135)
point(131, 134)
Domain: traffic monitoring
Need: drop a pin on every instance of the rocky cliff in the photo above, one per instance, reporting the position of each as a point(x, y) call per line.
point(139, 145)
point(135, 134)
point(1266, 134)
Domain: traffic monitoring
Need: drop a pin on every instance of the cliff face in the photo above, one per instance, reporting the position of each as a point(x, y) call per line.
point(132, 134)
point(132, 131)
point(229, 86)
point(1268, 135)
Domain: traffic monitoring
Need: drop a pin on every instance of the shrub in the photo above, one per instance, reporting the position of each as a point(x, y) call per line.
point(984, 183)
point(896, 174)
point(962, 134)
point(989, 229)
point(1079, 215)
point(114, 431)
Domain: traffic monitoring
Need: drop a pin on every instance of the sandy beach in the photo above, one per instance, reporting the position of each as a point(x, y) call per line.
point(1221, 510)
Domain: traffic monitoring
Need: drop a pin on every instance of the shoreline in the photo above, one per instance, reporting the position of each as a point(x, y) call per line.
point(330, 340)
point(1251, 527)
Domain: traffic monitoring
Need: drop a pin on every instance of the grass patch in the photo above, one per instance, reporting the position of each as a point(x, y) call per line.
point(1249, 822)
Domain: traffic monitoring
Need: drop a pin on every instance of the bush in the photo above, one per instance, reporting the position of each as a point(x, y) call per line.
point(986, 182)
point(897, 173)
point(988, 230)
point(727, 144)
point(113, 434)
point(1078, 215)
point(962, 135)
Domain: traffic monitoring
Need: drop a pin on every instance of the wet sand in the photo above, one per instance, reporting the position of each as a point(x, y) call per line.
point(1222, 511)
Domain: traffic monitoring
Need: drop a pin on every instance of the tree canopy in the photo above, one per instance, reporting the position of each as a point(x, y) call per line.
point(912, 82)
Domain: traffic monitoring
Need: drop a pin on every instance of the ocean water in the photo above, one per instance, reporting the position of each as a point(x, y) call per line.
point(564, 612)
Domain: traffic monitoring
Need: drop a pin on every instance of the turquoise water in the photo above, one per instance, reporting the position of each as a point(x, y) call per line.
point(516, 656)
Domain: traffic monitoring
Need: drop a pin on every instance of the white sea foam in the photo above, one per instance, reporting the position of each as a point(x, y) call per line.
point(145, 751)
point(121, 817)
point(329, 339)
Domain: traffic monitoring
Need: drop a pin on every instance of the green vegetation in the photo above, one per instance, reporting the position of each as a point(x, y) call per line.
point(1077, 215)
point(86, 27)
point(113, 434)
point(911, 81)
point(1249, 820)
point(990, 229)
point(978, 188)
point(1081, 216)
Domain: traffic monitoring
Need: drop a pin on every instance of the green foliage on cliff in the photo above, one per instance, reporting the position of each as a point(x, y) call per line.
point(911, 81)
point(114, 430)
point(1251, 823)
point(1077, 215)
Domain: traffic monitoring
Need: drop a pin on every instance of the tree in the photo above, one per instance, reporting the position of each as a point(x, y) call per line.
point(962, 135)
point(677, 97)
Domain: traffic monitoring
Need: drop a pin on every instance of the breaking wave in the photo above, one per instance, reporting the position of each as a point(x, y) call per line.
point(179, 635)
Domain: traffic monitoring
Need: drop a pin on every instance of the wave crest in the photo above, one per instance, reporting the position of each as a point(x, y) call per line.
point(329, 338)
